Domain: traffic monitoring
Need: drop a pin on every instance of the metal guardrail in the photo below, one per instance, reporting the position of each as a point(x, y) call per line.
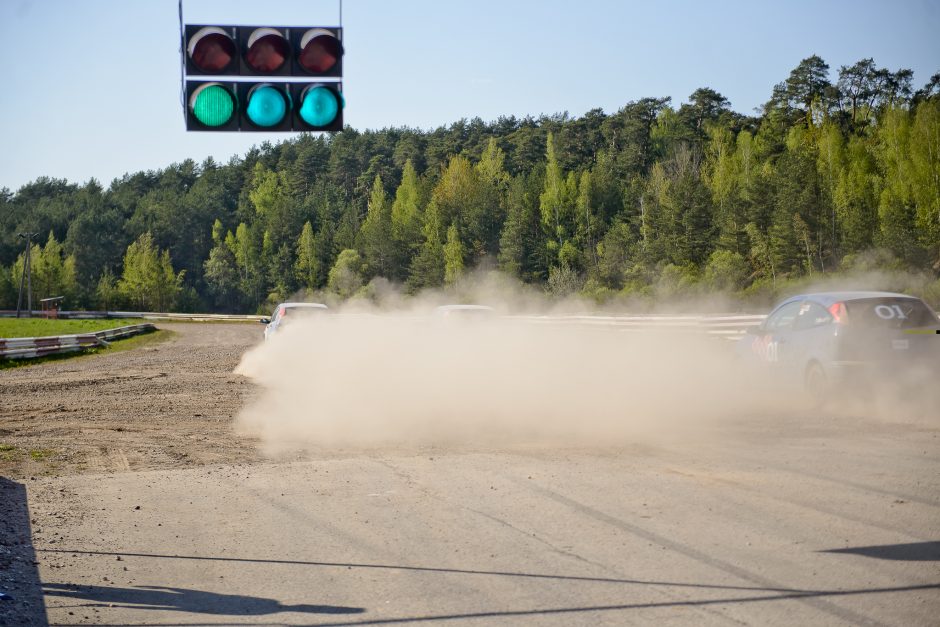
point(184, 316)
point(146, 315)
point(729, 326)
point(29, 347)
point(732, 326)
point(715, 322)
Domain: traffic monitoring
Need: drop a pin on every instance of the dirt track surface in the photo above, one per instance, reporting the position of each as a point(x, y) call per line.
point(165, 405)
point(151, 511)
point(168, 404)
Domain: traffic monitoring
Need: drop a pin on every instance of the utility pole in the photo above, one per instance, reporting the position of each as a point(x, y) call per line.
point(27, 276)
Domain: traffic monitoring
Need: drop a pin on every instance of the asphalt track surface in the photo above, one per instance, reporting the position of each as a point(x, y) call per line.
point(823, 520)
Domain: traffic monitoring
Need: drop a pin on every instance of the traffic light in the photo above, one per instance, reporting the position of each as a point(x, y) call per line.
point(263, 78)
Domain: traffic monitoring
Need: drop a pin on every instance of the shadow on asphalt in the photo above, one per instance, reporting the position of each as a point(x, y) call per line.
point(912, 552)
point(187, 600)
point(209, 603)
point(21, 601)
point(503, 616)
point(431, 569)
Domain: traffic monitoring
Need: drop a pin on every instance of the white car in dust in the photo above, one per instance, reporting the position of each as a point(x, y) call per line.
point(463, 311)
point(290, 311)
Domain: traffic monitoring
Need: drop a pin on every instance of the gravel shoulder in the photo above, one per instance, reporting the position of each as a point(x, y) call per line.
point(165, 405)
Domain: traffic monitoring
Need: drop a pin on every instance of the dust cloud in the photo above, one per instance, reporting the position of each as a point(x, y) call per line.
point(414, 378)
point(393, 371)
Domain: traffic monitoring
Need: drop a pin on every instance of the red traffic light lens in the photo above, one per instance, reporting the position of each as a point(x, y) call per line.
point(267, 50)
point(319, 51)
point(211, 49)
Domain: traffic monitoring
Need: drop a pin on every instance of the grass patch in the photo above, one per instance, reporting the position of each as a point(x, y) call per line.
point(39, 454)
point(40, 327)
point(135, 341)
point(8, 452)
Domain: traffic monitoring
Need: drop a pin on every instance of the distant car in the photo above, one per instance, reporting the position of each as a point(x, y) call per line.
point(463, 311)
point(289, 311)
point(827, 340)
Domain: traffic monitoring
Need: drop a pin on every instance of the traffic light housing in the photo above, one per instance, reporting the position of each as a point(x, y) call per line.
point(263, 78)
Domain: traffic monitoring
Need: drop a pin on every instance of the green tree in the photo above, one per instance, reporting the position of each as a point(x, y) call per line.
point(453, 257)
point(456, 197)
point(8, 291)
point(345, 277)
point(427, 268)
point(246, 249)
point(762, 256)
point(221, 275)
point(148, 280)
point(897, 213)
point(553, 202)
point(628, 136)
point(588, 225)
point(53, 272)
point(856, 197)
point(268, 195)
point(307, 267)
point(487, 213)
point(797, 191)
point(92, 237)
point(706, 106)
point(169, 284)
point(406, 219)
point(925, 175)
point(722, 175)
point(106, 292)
point(690, 204)
point(376, 239)
point(512, 241)
point(726, 271)
point(830, 167)
point(858, 88)
point(617, 253)
point(657, 223)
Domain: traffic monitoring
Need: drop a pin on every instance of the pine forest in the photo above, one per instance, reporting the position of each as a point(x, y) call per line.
point(838, 173)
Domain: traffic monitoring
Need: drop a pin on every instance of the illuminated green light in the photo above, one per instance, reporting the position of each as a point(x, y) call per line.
point(319, 107)
point(212, 104)
point(266, 106)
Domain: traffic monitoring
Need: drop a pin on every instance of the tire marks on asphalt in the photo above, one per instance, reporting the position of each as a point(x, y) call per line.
point(819, 604)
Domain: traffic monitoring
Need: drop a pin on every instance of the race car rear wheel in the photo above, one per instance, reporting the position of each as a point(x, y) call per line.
point(816, 384)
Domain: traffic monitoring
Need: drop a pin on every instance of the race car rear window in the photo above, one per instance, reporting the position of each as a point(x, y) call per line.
point(899, 313)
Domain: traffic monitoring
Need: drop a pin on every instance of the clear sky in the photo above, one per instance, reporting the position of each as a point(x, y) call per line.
point(90, 88)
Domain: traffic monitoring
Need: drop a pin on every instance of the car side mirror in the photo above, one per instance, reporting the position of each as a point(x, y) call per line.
point(265, 321)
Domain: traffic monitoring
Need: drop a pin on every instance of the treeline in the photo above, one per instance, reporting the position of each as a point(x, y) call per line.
point(650, 200)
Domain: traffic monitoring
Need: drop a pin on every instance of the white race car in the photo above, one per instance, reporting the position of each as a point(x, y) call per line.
point(289, 311)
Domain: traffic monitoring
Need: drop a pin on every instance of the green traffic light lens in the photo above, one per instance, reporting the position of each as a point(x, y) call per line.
point(212, 104)
point(267, 106)
point(319, 106)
